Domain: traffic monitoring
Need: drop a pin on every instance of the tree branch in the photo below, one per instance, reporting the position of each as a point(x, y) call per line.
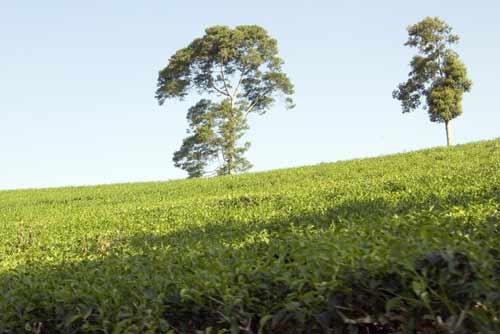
point(254, 103)
point(217, 89)
point(243, 73)
point(220, 91)
point(224, 78)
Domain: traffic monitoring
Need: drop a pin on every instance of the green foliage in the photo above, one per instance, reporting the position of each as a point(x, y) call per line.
point(405, 243)
point(242, 67)
point(437, 75)
point(200, 147)
point(214, 129)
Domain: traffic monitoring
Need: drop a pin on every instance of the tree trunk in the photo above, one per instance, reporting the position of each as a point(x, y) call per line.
point(230, 165)
point(448, 133)
point(231, 141)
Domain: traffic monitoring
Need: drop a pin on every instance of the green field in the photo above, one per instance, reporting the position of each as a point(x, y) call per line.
point(407, 243)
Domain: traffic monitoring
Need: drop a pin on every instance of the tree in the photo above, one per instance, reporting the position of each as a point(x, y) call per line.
point(438, 79)
point(241, 70)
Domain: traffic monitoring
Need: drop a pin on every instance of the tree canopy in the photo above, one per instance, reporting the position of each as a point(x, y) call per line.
point(241, 70)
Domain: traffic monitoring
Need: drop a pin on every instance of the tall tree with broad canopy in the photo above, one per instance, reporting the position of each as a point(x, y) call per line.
point(240, 69)
point(438, 79)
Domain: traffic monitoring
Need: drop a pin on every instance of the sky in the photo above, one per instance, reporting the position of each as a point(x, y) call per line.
point(77, 83)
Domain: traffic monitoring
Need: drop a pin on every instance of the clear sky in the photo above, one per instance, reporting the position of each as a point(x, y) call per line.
point(77, 82)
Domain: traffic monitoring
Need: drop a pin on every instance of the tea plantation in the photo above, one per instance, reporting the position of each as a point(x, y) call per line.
point(406, 243)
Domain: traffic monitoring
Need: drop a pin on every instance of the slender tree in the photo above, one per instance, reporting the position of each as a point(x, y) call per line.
point(438, 79)
point(240, 69)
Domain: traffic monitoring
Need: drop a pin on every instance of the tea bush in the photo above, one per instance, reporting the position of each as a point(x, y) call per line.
point(405, 243)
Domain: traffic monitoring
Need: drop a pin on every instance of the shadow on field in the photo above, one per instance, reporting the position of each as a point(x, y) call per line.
point(140, 285)
point(348, 211)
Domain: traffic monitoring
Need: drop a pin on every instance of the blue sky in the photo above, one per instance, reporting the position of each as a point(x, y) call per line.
point(77, 82)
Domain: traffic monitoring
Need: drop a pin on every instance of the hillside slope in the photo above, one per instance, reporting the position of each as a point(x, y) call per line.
point(398, 244)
